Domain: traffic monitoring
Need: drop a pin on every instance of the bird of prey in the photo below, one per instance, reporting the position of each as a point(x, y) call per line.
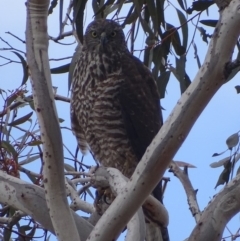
point(115, 108)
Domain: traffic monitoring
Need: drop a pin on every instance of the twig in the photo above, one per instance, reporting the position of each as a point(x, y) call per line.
point(64, 23)
point(62, 98)
point(10, 47)
point(23, 41)
point(26, 171)
point(77, 203)
point(78, 173)
point(60, 59)
point(10, 60)
point(190, 192)
point(62, 36)
point(17, 104)
point(75, 159)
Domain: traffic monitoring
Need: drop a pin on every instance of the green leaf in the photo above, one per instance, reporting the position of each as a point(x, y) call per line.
point(21, 120)
point(69, 168)
point(153, 13)
point(220, 162)
point(29, 159)
point(78, 16)
point(184, 27)
point(218, 154)
point(175, 39)
point(180, 2)
point(53, 4)
point(232, 140)
point(162, 82)
point(35, 143)
point(107, 4)
point(209, 22)
point(180, 72)
point(160, 13)
point(203, 34)
point(9, 148)
point(237, 87)
point(144, 22)
point(60, 15)
point(196, 55)
point(224, 176)
point(11, 98)
point(25, 67)
point(32, 232)
point(61, 120)
point(201, 5)
point(25, 227)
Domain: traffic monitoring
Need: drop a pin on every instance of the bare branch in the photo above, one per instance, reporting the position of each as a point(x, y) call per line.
point(77, 203)
point(13, 35)
point(136, 227)
point(18, 103)
point(59, 59)
point(10, 60)
point(10, 47)
point(190, 192)
point(24, 170)
point(30, 199)
point(62, 36)
point(112, 177)
point(218, 213)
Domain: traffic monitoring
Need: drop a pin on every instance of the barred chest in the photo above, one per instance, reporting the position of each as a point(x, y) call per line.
point(94, 71)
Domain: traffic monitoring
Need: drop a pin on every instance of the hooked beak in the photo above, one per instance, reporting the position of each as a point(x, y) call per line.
point(103, 39)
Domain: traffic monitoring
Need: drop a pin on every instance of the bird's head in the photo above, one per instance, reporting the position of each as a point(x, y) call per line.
point(104, 35)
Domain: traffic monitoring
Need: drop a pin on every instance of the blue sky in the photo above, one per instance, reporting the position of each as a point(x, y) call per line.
point(219, 120)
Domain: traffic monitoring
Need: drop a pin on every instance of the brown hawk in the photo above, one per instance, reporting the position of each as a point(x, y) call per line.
point(115, 108)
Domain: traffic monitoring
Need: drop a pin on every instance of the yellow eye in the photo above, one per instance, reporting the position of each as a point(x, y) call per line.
point(113, 33)
point(94, 34)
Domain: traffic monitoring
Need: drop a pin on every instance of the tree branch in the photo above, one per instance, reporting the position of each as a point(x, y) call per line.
point(37, 58)
point(31, 200)
point(190, 192)
point(218, 213)
point(174, 131)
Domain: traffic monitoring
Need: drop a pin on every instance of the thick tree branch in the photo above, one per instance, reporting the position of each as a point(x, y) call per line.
point(174, 131)
point(53, 171)
point(31, 200)
point(113, 178)
point(220, 210)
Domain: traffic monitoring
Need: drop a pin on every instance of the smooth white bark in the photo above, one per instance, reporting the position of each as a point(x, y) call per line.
point(219, 211)
point(190, 192)
point(37, 58)
point(30, 199)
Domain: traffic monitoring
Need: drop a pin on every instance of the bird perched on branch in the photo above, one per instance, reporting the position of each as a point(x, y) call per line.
point(115, 108)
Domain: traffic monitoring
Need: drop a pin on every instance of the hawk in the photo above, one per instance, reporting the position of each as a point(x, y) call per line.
point(115, 108)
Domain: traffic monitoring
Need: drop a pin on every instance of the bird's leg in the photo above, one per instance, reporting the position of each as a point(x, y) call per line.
point(103, 196)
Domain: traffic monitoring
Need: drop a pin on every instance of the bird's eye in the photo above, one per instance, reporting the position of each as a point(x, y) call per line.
point(94, 34)
point(113, 33)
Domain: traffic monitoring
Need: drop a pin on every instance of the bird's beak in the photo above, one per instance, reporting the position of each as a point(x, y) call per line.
point(103, 39)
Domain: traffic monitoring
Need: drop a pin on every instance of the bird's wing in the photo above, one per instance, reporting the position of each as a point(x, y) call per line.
point(140, 104)
point(77, 130)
